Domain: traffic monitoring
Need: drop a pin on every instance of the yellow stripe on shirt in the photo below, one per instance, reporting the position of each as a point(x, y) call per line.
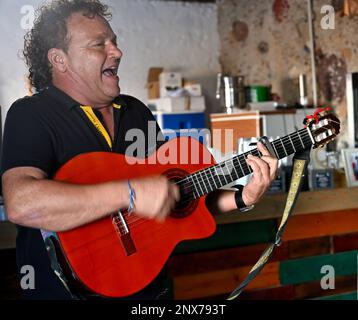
point(97, 123)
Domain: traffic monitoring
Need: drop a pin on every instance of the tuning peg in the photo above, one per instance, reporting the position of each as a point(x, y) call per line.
point(308, 120)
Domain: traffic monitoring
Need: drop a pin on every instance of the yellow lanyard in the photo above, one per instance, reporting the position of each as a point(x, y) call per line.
point(98, 124)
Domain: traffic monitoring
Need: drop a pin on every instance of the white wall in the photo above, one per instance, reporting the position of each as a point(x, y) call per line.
point(177, 36)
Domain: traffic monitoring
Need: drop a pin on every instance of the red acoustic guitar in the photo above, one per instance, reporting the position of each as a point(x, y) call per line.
point(119, 255)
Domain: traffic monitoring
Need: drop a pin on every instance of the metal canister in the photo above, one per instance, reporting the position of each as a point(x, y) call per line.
point(231, 92)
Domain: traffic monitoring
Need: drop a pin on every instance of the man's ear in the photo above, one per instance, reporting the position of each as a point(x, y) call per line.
point(57, 58)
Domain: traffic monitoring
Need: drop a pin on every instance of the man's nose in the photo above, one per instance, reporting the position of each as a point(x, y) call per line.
point(115, 52)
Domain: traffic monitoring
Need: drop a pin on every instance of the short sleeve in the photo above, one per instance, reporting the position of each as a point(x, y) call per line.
point(27, 139)
point(144, 120)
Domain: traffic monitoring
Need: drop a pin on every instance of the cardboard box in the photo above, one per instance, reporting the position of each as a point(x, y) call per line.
point(153, 82)
point(169, 82)
point(197, 104)
point(193, 88)
point(175, 104)
point(171, 104)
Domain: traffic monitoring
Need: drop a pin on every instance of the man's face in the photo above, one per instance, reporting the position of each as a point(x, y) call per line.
point(93, 58)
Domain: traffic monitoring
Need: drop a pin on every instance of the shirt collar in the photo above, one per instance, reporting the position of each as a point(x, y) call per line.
point(70, 103)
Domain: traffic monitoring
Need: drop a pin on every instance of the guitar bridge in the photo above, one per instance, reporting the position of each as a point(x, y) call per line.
point(122, 230)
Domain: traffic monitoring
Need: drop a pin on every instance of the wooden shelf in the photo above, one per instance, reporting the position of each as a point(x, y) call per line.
point(309, 202)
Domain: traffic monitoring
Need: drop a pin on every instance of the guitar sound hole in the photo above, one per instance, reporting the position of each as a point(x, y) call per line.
point(187, 203)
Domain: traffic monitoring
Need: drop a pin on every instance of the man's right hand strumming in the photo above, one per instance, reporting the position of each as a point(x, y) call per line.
point(155, 197)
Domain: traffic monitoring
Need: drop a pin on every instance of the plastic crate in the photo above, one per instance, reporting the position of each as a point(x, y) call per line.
point(176, 121)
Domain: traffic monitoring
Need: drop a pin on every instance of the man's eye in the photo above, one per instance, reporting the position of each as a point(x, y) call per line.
point(99, 44)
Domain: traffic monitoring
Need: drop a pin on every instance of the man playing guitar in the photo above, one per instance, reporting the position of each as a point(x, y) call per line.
point(73, 60)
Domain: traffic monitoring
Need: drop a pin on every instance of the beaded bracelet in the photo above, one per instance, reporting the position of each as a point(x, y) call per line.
point(131, 198)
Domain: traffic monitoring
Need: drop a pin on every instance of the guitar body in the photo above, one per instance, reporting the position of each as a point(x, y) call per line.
point(97, 253)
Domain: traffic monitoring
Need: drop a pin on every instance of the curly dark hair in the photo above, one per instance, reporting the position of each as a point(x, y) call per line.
point(50, 31)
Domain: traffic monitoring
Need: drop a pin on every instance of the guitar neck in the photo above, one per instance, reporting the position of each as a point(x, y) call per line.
point(210, 179)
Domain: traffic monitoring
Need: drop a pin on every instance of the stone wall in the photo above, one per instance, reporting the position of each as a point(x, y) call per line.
point(267, 41)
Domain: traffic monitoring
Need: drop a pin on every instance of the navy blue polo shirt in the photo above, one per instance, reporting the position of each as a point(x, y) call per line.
point(45, 131)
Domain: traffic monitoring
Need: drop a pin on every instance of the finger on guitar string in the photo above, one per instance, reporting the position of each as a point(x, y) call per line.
point(261, 169)
point(261, 147)
point(256, 170)
point(269, 159)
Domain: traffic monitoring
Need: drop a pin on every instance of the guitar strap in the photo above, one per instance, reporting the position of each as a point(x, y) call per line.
point(300, 162)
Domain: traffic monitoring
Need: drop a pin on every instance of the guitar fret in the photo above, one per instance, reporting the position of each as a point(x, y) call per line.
point(218, 175)
point(300, 139)
point(208, 179)
point(235, 169)
point(292, 143)
point(244, 164)
point(288, 146)
point(229, 170)
point(250, 170)
point(274, 147)
point(201, 177)
point(310, 135)
point(222, 171)
point(200, 192)
point(306, 135)
point(242, 170)
point(213, 178)
point(197, 192)
point(284, 149)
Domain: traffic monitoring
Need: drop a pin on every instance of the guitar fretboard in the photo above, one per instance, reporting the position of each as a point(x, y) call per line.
point(210, 179)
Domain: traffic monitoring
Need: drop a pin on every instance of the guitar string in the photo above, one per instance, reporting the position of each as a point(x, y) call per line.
point(133, 219)
point(240, 160)
point(210, 178)
point(189, 196)
point(230, 164)
point(240, 157)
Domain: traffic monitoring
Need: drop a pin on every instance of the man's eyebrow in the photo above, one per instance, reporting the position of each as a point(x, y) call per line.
point(103, 36)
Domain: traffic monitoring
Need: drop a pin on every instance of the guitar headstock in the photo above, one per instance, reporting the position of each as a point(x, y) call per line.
point(324, 127)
